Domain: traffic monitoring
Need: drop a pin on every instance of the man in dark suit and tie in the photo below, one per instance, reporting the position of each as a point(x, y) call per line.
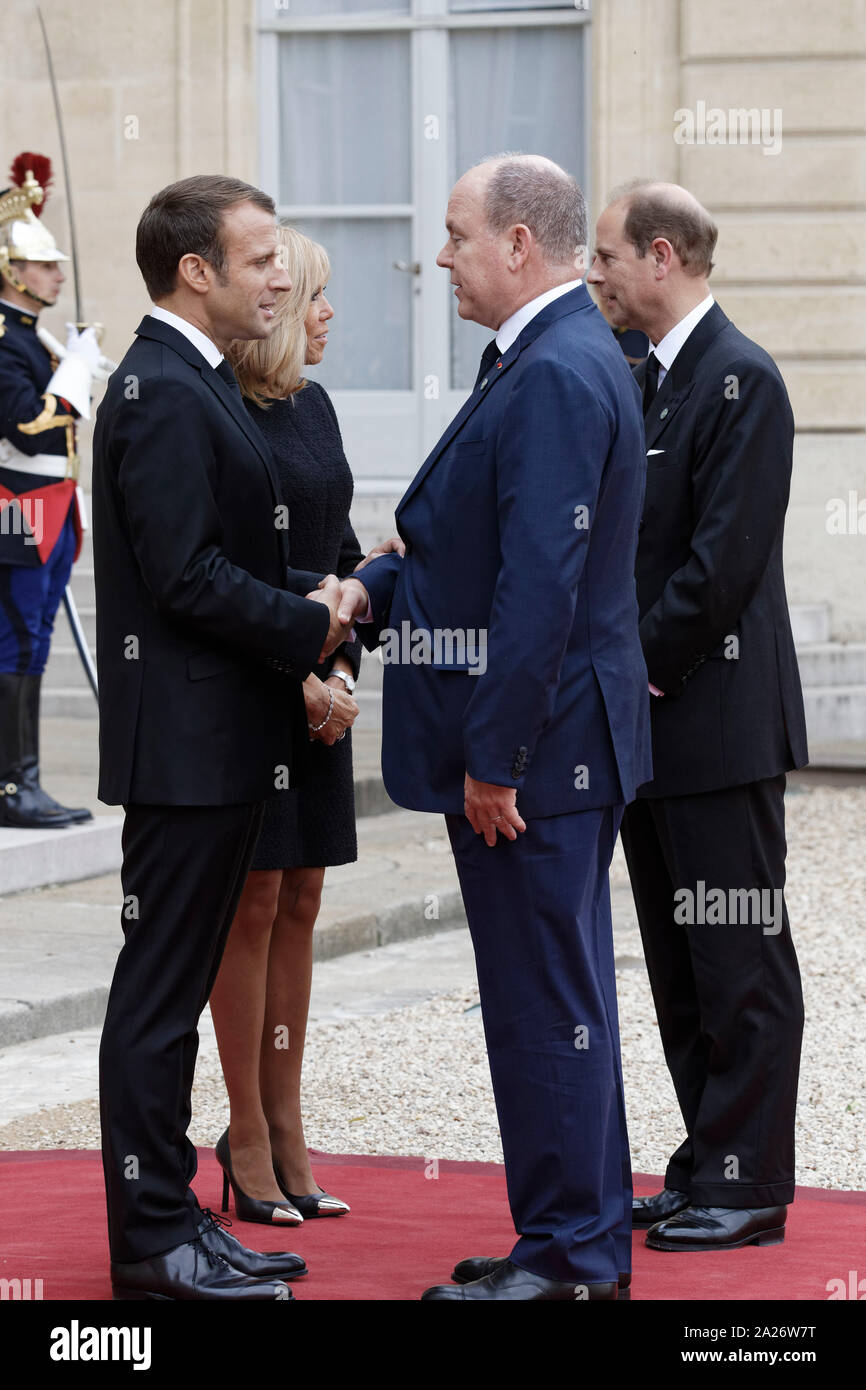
point(203, 638)
point(515, 701)
point(705, 841)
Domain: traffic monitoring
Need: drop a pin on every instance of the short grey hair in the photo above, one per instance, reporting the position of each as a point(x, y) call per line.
point(532, 190)
point(665, 210)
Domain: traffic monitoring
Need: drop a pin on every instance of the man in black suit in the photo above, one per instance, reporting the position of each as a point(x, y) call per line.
point(203, 638)
point(705, 841)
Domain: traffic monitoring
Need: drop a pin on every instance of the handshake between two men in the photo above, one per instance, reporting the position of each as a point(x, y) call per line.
point(331, 710)
point(346, 599)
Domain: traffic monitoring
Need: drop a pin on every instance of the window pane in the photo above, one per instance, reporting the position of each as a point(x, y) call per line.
point(344, 118)
point(287, 9)
point(470, 6)
point(370, 343)
point(512, 89)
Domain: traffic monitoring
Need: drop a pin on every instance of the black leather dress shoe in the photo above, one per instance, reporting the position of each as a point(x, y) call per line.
point(648, 1211)
point(479, 1266)
point(507, 1282)
point(190, 1271)
point(257, 1265)
point(719, 1228)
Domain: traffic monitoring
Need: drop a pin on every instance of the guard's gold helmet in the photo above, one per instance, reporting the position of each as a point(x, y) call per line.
point(22, 236)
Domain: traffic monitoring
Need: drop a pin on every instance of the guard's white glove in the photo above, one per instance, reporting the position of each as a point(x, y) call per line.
point(84, 344)
point(74, 376)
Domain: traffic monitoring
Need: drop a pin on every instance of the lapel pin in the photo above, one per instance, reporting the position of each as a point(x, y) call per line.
point(664, 413)
point(483, 384)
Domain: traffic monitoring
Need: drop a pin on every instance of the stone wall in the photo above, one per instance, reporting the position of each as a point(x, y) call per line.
point(791, 261)
point(151, 90)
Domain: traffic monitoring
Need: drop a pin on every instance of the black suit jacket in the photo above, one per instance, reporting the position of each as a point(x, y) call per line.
point(714, 626)
point(201, 646)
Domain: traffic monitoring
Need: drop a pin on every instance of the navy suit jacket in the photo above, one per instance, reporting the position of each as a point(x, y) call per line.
point(522, 525)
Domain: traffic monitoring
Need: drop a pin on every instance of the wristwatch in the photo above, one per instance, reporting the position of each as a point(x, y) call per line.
point(348, 681)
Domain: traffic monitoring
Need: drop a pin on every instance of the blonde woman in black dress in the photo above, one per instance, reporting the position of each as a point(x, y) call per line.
point(261, 997)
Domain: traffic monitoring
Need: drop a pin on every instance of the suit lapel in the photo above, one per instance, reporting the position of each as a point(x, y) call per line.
point(576, 300)
point(665, 405)
point(678, 382)
point(498, 370)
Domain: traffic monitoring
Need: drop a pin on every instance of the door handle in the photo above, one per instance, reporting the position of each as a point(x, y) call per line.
point(410, 267)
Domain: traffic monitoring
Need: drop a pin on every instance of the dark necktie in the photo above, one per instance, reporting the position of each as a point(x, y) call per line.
point(651, 382)
point(228, 375)
point(488, 357)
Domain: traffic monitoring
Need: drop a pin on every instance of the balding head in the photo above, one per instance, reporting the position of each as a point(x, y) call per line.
point(516, 228)
point(654, 210)
point(530, 190)
point(654, 248)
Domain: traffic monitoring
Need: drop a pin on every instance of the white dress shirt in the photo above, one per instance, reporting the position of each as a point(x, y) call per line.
point(206, 346)
point(673, 341)
point(665, 353)
point(514, 326)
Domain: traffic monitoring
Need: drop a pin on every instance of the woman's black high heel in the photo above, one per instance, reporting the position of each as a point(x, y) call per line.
point(312, 1203)
point(252, 1208)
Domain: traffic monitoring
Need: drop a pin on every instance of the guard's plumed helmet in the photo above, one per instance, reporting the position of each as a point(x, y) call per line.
point(22, 236)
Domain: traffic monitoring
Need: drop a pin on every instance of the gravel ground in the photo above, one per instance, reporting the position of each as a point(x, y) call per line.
point(415, 1080)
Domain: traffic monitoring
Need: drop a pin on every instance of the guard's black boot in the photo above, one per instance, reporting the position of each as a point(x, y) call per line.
point(19, 805)
point(30, 757)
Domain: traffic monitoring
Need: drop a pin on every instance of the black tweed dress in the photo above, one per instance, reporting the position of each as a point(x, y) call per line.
point(314, 823)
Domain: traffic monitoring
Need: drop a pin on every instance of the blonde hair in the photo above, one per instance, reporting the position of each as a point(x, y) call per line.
point(271, 368)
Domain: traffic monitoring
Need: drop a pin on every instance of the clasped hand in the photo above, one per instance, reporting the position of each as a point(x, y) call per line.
point(347, 602)
point(320, 697)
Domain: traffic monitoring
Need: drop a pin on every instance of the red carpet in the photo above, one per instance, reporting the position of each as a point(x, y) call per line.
point(404, 1233)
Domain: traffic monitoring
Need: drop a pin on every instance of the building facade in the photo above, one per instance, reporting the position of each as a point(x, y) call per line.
point(358, 116)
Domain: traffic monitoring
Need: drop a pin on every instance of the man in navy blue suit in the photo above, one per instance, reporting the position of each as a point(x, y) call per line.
point(516, 702)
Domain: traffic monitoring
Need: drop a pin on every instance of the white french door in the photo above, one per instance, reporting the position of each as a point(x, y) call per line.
point(369, 112)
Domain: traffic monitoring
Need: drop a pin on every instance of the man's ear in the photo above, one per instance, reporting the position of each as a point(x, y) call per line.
point(194, 273)
point(663, 254)
point(521, 245)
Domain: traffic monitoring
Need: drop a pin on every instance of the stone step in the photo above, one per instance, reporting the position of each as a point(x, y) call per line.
point(59, 946)
point(31, 858)
point(65, 701)
point(87, 618)
point(810, 622)
point(835, 713)
point(83, 586)
point(64, 667)
point(832, 663)
point(841, 756)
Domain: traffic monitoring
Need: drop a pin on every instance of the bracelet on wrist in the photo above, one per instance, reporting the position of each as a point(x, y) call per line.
point(316, 727)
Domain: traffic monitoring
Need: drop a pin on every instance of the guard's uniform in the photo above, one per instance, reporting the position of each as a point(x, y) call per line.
point(40, 519)
point(40, 514)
